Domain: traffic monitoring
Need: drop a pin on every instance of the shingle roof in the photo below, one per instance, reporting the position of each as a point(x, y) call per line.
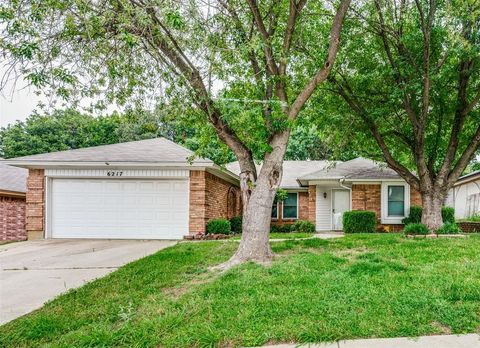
point(468, 177)
point(159, 150)
point(358, 168)
point(291, 170)
point(13, 179)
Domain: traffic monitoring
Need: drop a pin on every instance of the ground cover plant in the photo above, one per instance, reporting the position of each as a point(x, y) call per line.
point(371, 286)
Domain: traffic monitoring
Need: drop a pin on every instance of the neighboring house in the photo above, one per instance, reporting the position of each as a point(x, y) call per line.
point(12, 203)
point(321, 191)
point(465, 196)
point(148, 189)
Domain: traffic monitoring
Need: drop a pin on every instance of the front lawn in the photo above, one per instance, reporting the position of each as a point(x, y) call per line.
point(290, 235)
point(380, 285)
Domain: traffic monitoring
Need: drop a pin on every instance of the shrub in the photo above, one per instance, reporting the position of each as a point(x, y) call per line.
point(304, 226)
point(219, 226)
point(359, 221)
point(474, 218)
point(416, 228)
point(449, 228)
point(236, 224)
point(415, 215)
point(448, 214)
point(281, 228)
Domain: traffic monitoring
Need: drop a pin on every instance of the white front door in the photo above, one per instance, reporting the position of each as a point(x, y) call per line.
point(120, 209)
point(340, 204)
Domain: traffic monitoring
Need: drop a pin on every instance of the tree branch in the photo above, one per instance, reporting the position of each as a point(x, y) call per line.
point(323, 73)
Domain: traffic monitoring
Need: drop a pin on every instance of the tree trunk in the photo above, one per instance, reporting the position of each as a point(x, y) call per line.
point(258, 199)
point(432, 209)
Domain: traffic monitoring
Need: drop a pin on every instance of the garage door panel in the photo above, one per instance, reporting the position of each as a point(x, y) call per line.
point(96, 208)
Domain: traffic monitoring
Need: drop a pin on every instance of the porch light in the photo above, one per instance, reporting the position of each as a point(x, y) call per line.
point(324, 195)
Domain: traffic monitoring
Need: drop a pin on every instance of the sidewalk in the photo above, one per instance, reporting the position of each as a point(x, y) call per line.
point(440, 341)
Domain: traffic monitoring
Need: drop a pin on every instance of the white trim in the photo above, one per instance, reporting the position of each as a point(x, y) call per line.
point(275, 218)
point(48, 210)
point(393, 220)
point(124, 173)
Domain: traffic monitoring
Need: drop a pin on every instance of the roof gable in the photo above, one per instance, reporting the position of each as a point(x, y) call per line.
point(291, 170)
point(356, 169)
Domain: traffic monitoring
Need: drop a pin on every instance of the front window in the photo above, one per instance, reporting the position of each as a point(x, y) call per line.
point(275, 209)
point(396, 200)
point(290, 206)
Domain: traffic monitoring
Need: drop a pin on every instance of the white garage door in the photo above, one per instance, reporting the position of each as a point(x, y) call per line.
point(122, 209)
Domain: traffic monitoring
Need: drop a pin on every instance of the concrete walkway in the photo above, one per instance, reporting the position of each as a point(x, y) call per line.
point(439, 341)
point(34, 272)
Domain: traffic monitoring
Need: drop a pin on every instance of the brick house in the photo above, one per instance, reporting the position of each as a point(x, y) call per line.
point(156, 189)
point(12, 203)
point(148, 189)
point(321, 191)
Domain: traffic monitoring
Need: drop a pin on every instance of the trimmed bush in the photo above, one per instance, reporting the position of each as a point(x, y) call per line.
point(304, 226)
point(449, 228)
point(448, 214)
point(236, 224)
point(416, 228)
point(217, 226)
point(415, 215)
point(359, 221)
point(281, 228)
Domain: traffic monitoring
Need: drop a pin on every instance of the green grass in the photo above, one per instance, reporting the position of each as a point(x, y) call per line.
point(379, 285)
point(291, 235)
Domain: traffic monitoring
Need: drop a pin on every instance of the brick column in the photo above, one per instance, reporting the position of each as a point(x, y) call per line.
point(312, 203)
point(197, 208)
point(35, 204)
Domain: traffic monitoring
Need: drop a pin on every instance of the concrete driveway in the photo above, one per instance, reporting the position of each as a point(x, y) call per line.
point(34, 272)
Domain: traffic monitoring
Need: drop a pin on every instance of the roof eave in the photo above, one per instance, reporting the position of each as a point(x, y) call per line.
point(16, 194)
point(93, 164)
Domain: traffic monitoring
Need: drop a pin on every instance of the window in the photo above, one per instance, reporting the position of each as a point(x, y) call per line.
point(275, 209)
point(290, 206)
point(396, 200)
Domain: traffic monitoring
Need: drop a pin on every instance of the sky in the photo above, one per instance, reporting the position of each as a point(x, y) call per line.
point(17, 106)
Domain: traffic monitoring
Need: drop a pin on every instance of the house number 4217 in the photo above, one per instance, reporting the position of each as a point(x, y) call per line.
point(114, 173)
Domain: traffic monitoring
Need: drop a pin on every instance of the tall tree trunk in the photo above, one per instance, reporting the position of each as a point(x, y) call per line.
point(433, 201)
point(254, 244)
point(258, 199)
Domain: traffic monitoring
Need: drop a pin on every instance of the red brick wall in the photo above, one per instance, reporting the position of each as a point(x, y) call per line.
point(211, 198)
point(12, 219)
point(368, 197)
point(35, 204)
point(469, 226)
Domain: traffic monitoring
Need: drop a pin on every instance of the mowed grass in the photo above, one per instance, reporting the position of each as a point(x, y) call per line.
point(316, 290)
point(291, 235)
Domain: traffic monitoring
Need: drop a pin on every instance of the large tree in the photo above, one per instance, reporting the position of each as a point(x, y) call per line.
point(408, 87)
point(254, 52)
